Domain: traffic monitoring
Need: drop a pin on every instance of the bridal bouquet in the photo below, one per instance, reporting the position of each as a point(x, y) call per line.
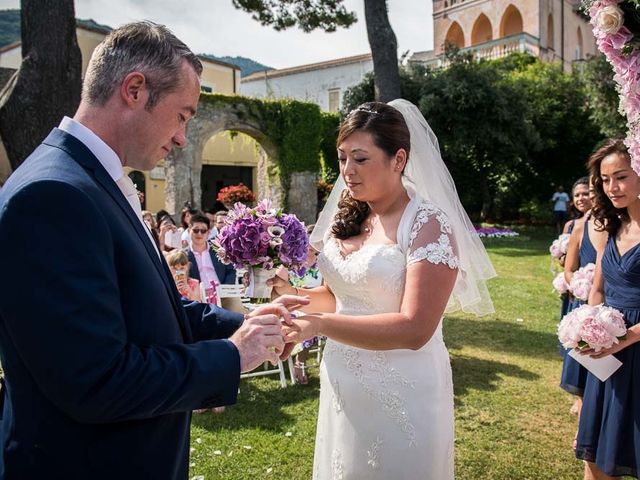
point(595, 326)
point(558, 248)
point(581, 282)
point(616, 26)
point(560, 284)
point(261, 239)
point(598, 327)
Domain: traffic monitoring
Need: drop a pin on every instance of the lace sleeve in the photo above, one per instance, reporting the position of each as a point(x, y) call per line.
point(431, 238)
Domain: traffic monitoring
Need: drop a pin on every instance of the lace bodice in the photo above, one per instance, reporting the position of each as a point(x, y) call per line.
point(372, 279)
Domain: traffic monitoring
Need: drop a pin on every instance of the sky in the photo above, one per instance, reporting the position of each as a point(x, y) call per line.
point(216, 27)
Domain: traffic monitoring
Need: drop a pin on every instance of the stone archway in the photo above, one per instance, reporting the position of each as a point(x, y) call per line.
point(217, 113)
point(184, 166)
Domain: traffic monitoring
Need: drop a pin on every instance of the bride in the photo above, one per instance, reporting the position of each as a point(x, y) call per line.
point(397, 251)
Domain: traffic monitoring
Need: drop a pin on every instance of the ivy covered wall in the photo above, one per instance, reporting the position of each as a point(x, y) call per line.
point(295, 136)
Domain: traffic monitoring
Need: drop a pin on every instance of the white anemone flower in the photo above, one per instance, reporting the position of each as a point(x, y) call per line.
point(275, 242)
point(275, 231)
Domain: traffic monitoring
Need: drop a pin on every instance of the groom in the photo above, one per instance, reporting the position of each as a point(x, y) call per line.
point(103, 364)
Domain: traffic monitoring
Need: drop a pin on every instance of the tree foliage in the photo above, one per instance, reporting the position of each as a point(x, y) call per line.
point(559, 114)
point(309, 15)
point(327, 15)
point(508, 129)
point(603, 100)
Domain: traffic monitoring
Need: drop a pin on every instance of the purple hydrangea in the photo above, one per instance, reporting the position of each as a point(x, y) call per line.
point(295, 242)
point(241, 242)
point(262, 237)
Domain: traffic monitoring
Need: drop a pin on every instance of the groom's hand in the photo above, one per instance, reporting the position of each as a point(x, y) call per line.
point(258, 339)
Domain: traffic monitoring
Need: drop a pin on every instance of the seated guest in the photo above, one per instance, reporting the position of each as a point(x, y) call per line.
point(185, 221)
point(205, 265)
point(210, 213)
point(221, 216)
point(179, 265)
point(160, 215)
point(165, 225)
point(150, 221)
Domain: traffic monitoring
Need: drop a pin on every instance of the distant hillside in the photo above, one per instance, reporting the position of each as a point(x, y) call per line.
point(10, 32)
point(247, 66)
point(9, 27)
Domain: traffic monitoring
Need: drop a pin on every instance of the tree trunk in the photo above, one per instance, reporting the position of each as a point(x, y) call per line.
point(47, 85)
point(384, 50)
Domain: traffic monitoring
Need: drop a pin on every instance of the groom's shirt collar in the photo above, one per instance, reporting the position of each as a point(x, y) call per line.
point(103, 152)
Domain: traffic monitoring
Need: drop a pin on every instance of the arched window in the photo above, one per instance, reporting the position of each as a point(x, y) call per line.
point(482, 31)
point(579, 45)
point(511, 23)
point(550, 39)
point(455, 36)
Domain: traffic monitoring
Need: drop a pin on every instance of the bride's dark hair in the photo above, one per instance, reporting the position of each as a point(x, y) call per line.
point(607, 217)
point(390, 133)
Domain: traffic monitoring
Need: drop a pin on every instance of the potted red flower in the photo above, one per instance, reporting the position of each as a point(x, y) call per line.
point(229, 196)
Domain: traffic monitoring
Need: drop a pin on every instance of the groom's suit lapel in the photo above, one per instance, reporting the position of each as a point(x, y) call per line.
point(79, 152)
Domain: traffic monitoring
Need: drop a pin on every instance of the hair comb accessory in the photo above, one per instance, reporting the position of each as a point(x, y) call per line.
point(363, 109)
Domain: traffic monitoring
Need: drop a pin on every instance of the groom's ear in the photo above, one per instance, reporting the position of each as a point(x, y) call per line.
point(133, 89)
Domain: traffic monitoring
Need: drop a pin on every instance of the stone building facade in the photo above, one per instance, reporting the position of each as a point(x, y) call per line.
point(553, 30)
point(322, 83)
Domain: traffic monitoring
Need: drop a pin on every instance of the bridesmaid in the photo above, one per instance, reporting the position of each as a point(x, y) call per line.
point(581, 203)
point(580, 252)
point(609, 431)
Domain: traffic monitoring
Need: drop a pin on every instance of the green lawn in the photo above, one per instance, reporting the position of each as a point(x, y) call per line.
point(512, 419)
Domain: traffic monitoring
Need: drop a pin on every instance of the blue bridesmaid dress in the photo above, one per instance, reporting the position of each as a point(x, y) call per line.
point(566, 301)
point(609, 432)
point(574, 375)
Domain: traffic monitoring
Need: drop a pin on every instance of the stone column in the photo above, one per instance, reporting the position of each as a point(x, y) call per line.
point(303, 196)
point(177, 188)
point(269, 180)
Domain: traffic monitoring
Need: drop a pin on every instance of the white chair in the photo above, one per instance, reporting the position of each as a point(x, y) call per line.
point(270, 371)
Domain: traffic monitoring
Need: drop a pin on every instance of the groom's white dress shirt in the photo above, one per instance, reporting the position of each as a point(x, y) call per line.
point(111, 163)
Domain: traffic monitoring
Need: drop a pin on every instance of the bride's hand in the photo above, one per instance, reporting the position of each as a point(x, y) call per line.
point(280, 284)
point(292, 302)
point(302, 328)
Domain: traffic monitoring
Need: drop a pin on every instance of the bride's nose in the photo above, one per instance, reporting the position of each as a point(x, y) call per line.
point(347, 168)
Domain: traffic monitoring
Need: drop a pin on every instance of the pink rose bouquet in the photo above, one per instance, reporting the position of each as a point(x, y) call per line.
point(558, 248)
point(595, 326)
point(616, 27)
point(560, 284)
point(581, 282)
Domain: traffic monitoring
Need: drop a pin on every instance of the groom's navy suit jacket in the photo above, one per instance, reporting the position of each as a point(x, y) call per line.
point(103, 363)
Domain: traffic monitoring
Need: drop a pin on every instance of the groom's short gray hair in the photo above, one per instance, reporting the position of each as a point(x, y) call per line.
point(144, 47)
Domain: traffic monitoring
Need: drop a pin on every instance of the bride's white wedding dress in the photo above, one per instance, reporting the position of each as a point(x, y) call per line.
point(386, 414)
